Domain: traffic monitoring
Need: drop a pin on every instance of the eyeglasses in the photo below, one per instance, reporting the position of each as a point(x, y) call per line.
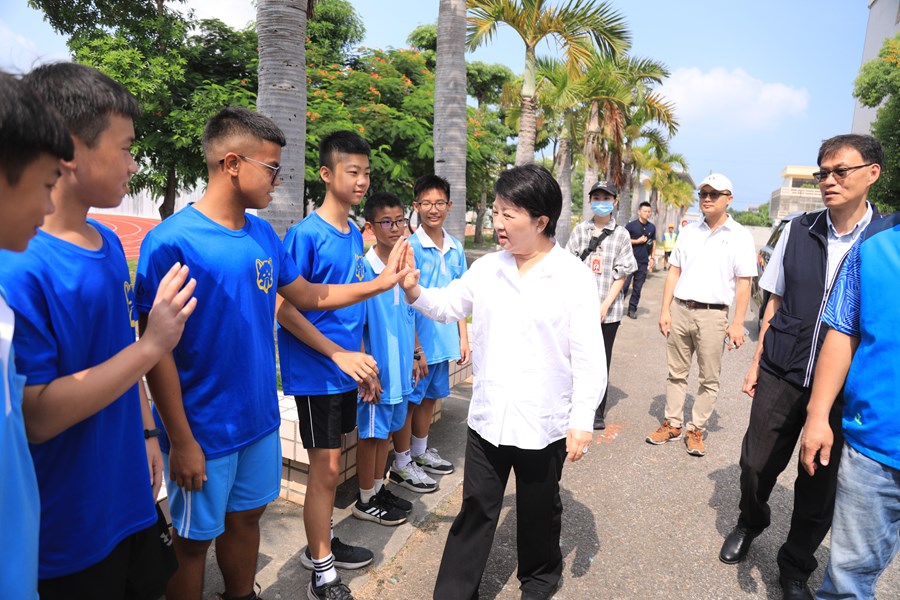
point(276, 169)
point(712, 195)
point(387, 224)
point(839, 172)
point(440, 204)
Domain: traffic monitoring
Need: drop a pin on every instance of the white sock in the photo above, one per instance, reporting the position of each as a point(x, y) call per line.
point(379, 483)
point(401, 459)
point(418, 445)
point(325, 571)
point(366, 495)
point(332, 527)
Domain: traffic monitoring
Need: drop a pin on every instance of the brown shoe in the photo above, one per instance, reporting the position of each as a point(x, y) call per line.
point(694, 441)
point(665, 433)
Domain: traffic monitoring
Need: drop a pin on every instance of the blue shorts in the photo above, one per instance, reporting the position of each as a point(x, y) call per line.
point(378, 421)
point(244, 480)
point(434, 385)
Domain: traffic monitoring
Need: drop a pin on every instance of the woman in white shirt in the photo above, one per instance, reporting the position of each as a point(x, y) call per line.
point(539, 373)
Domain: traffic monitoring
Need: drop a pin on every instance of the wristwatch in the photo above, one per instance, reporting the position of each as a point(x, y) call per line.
point(152, 433)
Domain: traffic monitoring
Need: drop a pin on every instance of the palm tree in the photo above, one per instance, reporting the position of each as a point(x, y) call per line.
point(450, 109)
point(580, 27)
point(281, 27)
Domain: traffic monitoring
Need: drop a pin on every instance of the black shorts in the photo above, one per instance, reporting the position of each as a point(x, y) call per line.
point(324, 418)
point(138, 568)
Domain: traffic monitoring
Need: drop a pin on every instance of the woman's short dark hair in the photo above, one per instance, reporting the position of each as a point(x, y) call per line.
point(28, 128)
point(532, 188)
point(83, 96)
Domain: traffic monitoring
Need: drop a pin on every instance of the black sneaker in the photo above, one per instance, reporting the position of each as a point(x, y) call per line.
point(345, 556)
point(378, 511)
point(388, 498)
point(632, 314)
point(333, 590)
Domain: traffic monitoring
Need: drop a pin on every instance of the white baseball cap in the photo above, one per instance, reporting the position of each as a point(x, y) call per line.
point(718, 182)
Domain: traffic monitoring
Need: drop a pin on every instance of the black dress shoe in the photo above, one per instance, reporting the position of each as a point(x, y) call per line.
point(632, 314)
point(599, 423)
point(736, 545)
point(795, 589)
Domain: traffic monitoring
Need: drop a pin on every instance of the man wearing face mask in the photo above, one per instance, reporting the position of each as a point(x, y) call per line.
point(606, 248)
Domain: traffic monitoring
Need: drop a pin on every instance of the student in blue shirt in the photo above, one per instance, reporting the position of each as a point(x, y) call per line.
point(440, 259)
point(215, 394)
point(85, 413)
point(389, 335)
point(33, 140)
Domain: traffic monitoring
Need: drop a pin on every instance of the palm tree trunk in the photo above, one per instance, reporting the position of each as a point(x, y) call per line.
point(450, 110)
point(281, 27)
point(564, 177)
point(479, 218)
point(528, 118)
point(591, 156)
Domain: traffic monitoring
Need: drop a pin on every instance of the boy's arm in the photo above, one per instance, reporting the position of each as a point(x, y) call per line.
point(665, 316)
point(420, 364)
point(51, 408)
point(831, 372)
point(319, 296)
point(752, 375)
point(154, 455)
point(358, 365)
point(465, 352)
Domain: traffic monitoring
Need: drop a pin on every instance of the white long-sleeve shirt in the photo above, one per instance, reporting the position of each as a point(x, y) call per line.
point(537, 346)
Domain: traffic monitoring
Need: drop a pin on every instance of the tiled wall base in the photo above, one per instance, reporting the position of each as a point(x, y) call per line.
point(295, 460)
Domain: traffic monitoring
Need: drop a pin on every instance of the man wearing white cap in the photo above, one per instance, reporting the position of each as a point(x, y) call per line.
point(710, 268)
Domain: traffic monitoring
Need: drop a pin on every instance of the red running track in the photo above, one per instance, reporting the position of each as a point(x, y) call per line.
point(131, 230)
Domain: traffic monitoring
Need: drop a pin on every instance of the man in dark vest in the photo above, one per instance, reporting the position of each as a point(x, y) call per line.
point(800, 276)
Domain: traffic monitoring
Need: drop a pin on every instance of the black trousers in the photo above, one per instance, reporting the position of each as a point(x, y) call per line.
point(777, 416)
point(636, 282)
point(609, 338)
point(538, 515)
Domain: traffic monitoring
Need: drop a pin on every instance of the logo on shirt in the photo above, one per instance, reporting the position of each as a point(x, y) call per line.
point(360, 267)
point(264, 274)
point(129, 302)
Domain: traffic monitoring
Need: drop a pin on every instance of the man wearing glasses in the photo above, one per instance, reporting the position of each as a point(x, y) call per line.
point(800, 276)
point(710, 268)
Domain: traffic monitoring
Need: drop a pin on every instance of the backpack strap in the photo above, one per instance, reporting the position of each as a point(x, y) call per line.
point(596, 240)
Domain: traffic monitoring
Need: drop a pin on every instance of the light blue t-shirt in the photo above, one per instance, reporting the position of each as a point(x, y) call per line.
point(226, 355)
point(323, 254)
point(864, 305)
point(20, 504)
point(390, 336)
point(74, 310)
point(437, 268)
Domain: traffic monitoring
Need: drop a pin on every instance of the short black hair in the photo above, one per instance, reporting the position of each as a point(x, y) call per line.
point(643, 204)
point(379, 201)
point(868, 147)
point(430, 182)
point(532, 188)
point(238, 121)
point(83, 96)
point(341, 142)
point(28, 128)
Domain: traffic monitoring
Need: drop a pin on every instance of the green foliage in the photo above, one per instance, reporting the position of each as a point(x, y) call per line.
point(878, 84)
point(334, 30)
point(485, 82)
point(759, 218)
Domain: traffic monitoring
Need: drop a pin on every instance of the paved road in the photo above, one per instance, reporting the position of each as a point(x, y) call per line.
point(639, 521)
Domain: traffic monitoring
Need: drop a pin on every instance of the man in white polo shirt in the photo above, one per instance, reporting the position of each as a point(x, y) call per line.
point(710, 268)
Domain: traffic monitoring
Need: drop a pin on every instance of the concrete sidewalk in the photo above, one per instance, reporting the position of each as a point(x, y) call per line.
point(639, 521)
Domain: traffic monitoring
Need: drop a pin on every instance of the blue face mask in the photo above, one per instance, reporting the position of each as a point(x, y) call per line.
point(602, 208)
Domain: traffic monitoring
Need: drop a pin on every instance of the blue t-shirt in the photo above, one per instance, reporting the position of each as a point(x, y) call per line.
point(390, 336)
point(637, 229)
point(324, 255)
point(437, 268)
point(226, 355)
point(20, 504)
point(864, 305)
point(74, 310)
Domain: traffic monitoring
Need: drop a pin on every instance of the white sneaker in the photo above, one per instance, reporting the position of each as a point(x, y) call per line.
point(432, 462)
point(412, 477)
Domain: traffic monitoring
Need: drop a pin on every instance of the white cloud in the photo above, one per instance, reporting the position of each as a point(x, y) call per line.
point(733, 100)
point(237, 14)
point(19, 53)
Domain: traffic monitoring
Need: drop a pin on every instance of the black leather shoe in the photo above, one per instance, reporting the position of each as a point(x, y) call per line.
point(599, 423)
point(795, 589)
point(632, 314)
point(736, 545)
point(543, 595)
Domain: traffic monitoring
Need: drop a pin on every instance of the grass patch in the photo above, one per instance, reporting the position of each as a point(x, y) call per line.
point(487, 244)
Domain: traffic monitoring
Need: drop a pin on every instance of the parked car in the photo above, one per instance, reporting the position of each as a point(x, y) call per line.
point(765, 253)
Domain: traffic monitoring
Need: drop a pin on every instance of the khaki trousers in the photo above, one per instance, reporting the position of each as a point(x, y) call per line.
point(699, 330)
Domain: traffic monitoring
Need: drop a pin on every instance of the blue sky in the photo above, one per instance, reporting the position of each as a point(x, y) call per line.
point(757, 85)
